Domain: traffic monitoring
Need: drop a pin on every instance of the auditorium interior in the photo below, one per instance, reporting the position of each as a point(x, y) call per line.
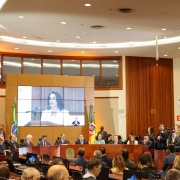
point(124, 54)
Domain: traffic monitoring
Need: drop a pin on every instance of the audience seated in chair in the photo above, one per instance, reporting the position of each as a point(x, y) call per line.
point(80, 159)
point(98, 154)
point(149, 160)
point(168, 161)
point(4, 171)
point(129, 164)
point(172, 174)
point(104, 158)
point(118, 165)
point(142, 164)
point(30, 173)
point(94, 168)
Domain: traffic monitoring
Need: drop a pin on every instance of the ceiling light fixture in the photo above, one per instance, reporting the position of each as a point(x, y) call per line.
point(82, 52)
point(73, 60)
point(116, 52)
point(2, 2)
point(24, 37)
point(128, 28)
point(163, 29)
point(32, 59)
point(93, 75)
point(16, 48)
point(58, 41)
point(49, 50)
point(165, 55)
point(163, 13)
point(114, 61)
point(87, 5)
point(117, 75)
point(63, 22)
point(78, 37)
point(21, 17)
point(178, 47)
point(94, 42)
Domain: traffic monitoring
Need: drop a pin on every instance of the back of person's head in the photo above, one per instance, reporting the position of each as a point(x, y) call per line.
point(149, 158)
point(81, 152)
point(176, 163)
point(142, 160)
point(97, 154)
point(118, 163)
point(57, 161)
point(125, 153)
point(171, 148)
point(4, 171)
point(93, 162)
point(172, 174)
point(57, 172)
point(30, 173)
point(103, 150)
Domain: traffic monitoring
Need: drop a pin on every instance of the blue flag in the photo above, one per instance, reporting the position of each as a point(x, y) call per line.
point(14, 127)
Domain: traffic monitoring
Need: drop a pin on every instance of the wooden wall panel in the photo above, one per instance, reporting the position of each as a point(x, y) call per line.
point(149, 88)
point(47, 80)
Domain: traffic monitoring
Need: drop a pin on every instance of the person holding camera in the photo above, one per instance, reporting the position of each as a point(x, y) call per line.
point(161, 138)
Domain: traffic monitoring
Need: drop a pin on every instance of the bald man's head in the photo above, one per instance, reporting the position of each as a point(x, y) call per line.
point(57, 172)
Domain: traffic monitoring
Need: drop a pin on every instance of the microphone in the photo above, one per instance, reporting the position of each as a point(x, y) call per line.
point(46, 108)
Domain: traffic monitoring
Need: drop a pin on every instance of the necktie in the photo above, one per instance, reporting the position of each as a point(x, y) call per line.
point(81, 142)
point(14, 145)
point(44, 143)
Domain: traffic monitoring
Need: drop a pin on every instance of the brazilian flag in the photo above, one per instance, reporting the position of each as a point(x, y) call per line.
point(14, 127)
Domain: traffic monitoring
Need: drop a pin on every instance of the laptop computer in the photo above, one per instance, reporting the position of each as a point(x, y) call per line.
point(32, 160)
point(129, 173)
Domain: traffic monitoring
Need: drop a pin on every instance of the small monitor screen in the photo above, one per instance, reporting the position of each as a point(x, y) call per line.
point(31, 158)
point(50, 106)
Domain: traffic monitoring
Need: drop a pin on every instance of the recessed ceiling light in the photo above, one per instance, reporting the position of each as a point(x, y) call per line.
point(94, 75)
point(58, 41)
point(78, 37)
point(114, 61)
point(82, 52)
point(178, 47)
point(108, 83)
point(73, 60)
point(87, 5)
point(24, 37)
point(116, 74)
point(2, 2)
point(66, 75)
point(16, 48)
point(63, 22)
point(32, 59)
point(165, 55)
point(116, 52)
point(163, 29)
point(165, 37)
point(49, 50)
point(21, 17)
point(128, 28)
point(130, 41)
point(94, 42)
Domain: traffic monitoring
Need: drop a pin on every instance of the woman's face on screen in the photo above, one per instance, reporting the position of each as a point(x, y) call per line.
point(52, 100)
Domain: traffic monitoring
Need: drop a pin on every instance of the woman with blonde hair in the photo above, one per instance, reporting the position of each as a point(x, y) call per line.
point(176, 164)
point(150, 163)
point(118, 165)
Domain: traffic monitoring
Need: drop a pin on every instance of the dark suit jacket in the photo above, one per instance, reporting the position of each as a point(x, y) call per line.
point(60, 142)
point(107, 160)
point(161, 144)
point(149, 145)
point(104, 134)
point(25, 144)
point(145, 172)
point(84, 142)
point(10, 145)
point(40, 143)
point(78, 161)
point(176, 141)
point(2, 148)
point(129, 164)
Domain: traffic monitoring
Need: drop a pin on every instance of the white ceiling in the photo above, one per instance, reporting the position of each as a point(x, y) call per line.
point(42, 22)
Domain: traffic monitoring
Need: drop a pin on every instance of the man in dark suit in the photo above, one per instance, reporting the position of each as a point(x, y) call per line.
point(147, 142)
point(173, 139)
point(102, 132)
point(12, 144)
point(168, 161)
point(142, 164)
point(161, 138)
point(62, 140)
point(129, 164)
point(104, 158)
point(116, 140)
point(2, 146)
point(79, 161)
point(28, 141)
point(81, 140)
point(44, 141)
